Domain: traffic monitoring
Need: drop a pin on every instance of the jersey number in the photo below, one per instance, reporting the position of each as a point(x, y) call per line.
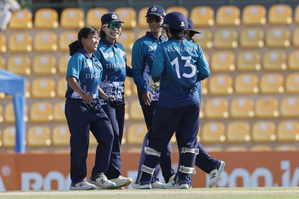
point(175, 62)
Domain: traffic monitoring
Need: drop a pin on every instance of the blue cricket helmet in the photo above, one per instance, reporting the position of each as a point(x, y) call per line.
point(175, 20)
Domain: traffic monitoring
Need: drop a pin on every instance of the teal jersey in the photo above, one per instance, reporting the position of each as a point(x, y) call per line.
point(87, 70)
point(180, 64)
point(142, 63)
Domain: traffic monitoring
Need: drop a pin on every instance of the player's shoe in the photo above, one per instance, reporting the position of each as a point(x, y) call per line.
point(122, 181)
point(170, 185)
point(83, 185)
point(215, 175)
point(171, 178)
point(157, 185)
point(139, 186)
point(185, 186)
point(101, 181)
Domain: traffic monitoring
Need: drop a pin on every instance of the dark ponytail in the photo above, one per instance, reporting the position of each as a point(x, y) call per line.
point(84, 32)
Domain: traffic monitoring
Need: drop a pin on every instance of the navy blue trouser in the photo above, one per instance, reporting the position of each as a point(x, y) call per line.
point(184, 120)
point(116, 117)
point(81, 119)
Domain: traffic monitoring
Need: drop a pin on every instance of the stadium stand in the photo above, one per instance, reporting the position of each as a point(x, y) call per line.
point(141, 18)
point(289, 107)
point(275, 60)
point(128, 16)
point(41, 112)
point(43, 88)
point(39, 136)
point(222, 61)
point(220, 85)
point(20, 42)
point(65, 39)
point(44, 65)
point(292, 83)
point(180, 9)
point(266, 107)
point(252, 38)
point(249, 61)
point(1, 113)
point(288, 131)
point(246, 84)
point(278, 37)
point(45, 42)
point(9, 114)
point(46, 18)
point(21, 20)
point(8, 137)
point(72, 18)
point(61, 136)
point(3, 47)
point(136, 133)
point(293, 60)
point(254, 15)
point(280, 14)
point(226, 38)
point(206, 15)
point(93, 17)
point(58, 112)
point(213, 132)
point(228, 16)
point(271, 83)
point(216, 108)
point(204, 40)
point(19, 64)
point(2, 62)
point(263, 131)
point(238, 132)
point(241, 108)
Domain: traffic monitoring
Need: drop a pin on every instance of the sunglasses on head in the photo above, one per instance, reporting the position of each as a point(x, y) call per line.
point(113, 25)
point(152, 19)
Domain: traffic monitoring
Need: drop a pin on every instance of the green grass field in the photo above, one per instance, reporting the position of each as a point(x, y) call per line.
point(202, 193)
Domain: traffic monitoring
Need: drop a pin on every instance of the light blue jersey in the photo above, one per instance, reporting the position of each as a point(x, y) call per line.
point(180, 64)
point(87, 70)
point(115, 69)
point(142, 63)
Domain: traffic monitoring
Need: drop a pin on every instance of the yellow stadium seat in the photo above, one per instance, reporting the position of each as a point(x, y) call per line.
point(62, 64)
point(61, 87)
point(136, 113)
point(266, 107)
point(213, 132)
point(288, 131)
point(20, 42)
point(9, 114)
point(212, 149)
point(228, 15)
point(220, 85)
point(254, 15)
point(293, 60)
point(236, 149)
point(136, 133)
point(292, 83)
point(272, 83)
point(0, 138)
point(2, 95)
point(278, 38)
point(127, 39)
point(1, 114)
point(207, 56)
point(135, 92)
point(296, 15)
point(226, 39)
point(65, 39)
point(180, 9)
point(280, 14)
point(263, 131)
point(27, 93)
point(289, 107)
point(204, 87)
point(141, 18)
point(216, 108)
point(72, 18)
point(44, 65)
point(2, 63)
point(295, 39)
point(58, 112)
point(129, 58)
point(223, 61)
point(39, 136)
point(205, 14)
point(93, 17)
point(246, 84)
point(241, 108)
point(124, 138)
point(249, 61)
point(41, 112)
point(128, 85)
point(204, 40)
point(3, 47)
point(128, 16)
point(45, 18)
point(286, 148)
point(19, 64)
point(275, 60)
point(201, 112)
point(45, 42)
point(9, 137)
point(260, 148)
point(20, 20)
point(237, 132)
point(43, 88)
point(252, 38)
point(61, 136)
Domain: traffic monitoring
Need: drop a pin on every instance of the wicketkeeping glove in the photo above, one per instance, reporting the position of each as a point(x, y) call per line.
point(114, 103)
point(153, 85)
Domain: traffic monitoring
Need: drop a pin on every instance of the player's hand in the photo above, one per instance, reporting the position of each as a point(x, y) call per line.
point(147, 98)
point(86, 97)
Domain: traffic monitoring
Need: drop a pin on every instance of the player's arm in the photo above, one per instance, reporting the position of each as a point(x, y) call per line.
point(137, 61)
point(158, 65)
point(202, 66)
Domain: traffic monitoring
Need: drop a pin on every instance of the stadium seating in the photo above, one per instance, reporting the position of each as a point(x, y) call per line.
point(202, 16)
point(127, 39)
point(204, 87)
point(238, 132)
point(254, 15)
point(275, 60)
point(296, 15)
point(136, 133)
point(293, 60)
point(3, 47)
point(44, 65)
point(93, 17)
point(236, 149)
point(258, 148)
point(228, 15)
point(1, 113)
point(249, 61)
point(61, 135)
point(46, 18)
point(65, 39)
point(62, 64)
point(9, 137)
point(41, 112)
point(289, 107)
point(241, 108)
point(136, 111)
point(220, 85)
point(72, 18)
point(9, 114)
point(292, 83)
point(266, 107)
point(180, 9)
point(213, 132)
point(216, 108)
point(61, 88)
point(246, 84)
point(263, 131)
point(286, 148)
point(272, 83)
point(43, 88)
point(58, 112)
point(278, 37)
point(19, 64)
point(128, 16)
point(204, 40)
point(21, 20)
point(222, 61)
point(92, 140)
point(128, 85)
point(39, 136)
point(295, 39)
point(2, 63)
point(20, 42)
point(252, 38)
point(27, 92)
point(288, 131)
point(141, 18)
point(280, 14)
point(45, 41)
point(0, 138)
point(226, 39)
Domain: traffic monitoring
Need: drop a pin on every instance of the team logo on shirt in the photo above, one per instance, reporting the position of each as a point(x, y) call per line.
point(107, 55)
point(152, 48)
point(88, 64)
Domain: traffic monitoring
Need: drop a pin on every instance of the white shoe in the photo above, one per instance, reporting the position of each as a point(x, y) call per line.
point(185, 186)
point(139, 186)
point(83, 185)
point(171, 178)
point(102, 181)
point(170, 185)
point(122, 181)
point(157, 185)
point(215, 175)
